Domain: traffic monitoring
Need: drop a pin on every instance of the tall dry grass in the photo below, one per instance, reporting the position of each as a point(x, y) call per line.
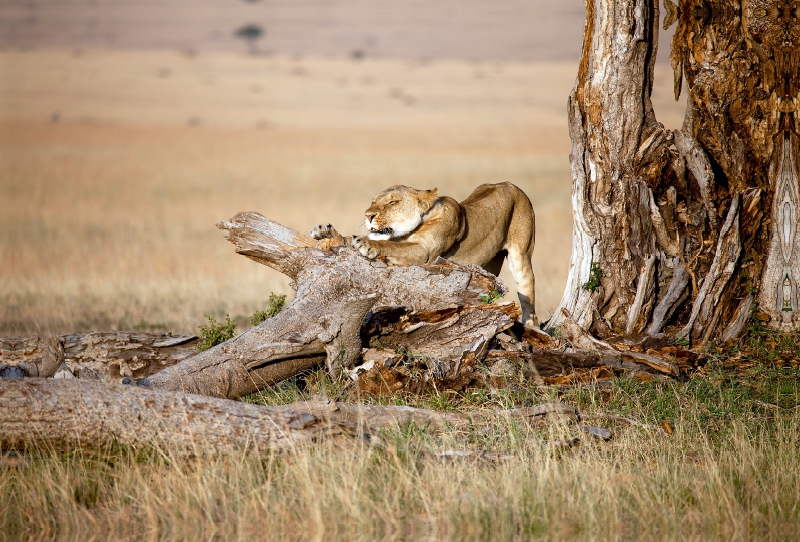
point(718, 476)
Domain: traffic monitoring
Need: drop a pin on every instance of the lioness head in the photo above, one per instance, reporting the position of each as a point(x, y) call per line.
point(397, 211)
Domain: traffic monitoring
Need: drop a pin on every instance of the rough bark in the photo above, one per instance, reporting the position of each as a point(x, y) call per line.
point(105, 355)
point(343, 300)
point(685, 226)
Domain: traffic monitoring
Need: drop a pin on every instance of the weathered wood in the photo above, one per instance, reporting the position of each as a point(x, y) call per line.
point(42, 414)
point(725, 258)
point(573, 333)
point(676, 294)
point(107, 355)
point(641, 191)
point(643, 298)
point(434, 310)
point(555, 362)
point(580, 339)
point(35, 356)
point(697, 162)
point(616, 144)
point(742, 316)
point(780, 292)
point(90, 415)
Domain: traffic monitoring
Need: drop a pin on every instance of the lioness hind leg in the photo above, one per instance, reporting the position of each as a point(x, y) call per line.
point(521, 269)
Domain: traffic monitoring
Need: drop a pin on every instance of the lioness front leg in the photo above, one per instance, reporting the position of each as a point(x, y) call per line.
point(364, 247)
point(326, 231)
point(394, 252)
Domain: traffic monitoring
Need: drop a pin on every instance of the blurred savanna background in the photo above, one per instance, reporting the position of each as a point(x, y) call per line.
point(129, 129)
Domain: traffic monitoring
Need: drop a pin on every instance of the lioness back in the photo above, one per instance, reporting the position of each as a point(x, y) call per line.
point(494, 215)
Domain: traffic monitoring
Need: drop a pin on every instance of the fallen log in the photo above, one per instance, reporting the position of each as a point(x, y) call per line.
point(45, 414)
point(105, 355)
point(343, 299)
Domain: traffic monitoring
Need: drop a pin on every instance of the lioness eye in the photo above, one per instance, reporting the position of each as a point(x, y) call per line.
point(392, 202)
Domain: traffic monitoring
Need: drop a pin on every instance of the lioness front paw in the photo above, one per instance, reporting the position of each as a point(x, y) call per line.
point(322, 231)
point(363, 246)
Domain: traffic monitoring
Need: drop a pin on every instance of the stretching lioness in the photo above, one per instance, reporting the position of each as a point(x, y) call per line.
point(408, 226)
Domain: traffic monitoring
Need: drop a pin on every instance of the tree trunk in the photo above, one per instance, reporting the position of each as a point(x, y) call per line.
point(439, 311)
point(685, 230)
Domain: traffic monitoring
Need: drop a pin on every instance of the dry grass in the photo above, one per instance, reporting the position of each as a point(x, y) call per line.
point(726, 472)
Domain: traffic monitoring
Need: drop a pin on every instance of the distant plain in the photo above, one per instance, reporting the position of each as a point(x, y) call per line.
point(116, 165)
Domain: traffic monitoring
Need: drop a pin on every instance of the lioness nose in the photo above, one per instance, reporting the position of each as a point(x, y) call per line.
point(369, 216)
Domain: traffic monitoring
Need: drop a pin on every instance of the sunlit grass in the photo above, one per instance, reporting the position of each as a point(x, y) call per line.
point(725, 471)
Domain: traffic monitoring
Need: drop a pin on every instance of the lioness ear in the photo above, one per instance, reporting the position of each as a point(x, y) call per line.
point(429, 197)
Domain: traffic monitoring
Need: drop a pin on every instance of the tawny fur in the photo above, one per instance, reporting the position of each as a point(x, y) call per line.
point(408, 227)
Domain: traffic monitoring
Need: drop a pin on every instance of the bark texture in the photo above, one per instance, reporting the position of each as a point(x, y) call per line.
point(105, 355)
point(343, 301)
point(685, 229)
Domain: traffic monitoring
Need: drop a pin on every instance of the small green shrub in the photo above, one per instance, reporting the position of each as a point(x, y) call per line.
point(274, 306)
point(493, 296)
point(215, 332)
point(595, 274)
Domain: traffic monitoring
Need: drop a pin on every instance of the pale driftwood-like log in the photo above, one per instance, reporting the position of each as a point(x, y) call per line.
point(107, 355)
point(436, 310)
point(42, 414)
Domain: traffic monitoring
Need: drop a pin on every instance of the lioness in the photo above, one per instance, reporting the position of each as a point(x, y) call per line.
point(408, 226)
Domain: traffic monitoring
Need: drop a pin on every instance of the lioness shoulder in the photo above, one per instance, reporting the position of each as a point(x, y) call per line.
point(407, 226)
